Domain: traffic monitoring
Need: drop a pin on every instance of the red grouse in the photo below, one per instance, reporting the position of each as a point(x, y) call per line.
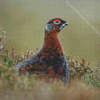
point(51, 58)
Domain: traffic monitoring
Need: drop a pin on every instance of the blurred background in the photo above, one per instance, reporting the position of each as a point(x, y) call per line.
point(25, 20)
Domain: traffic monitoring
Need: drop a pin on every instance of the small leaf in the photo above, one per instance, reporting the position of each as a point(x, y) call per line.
point(8, 77)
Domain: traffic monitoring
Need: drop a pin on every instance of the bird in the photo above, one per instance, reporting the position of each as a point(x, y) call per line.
point(51, 58)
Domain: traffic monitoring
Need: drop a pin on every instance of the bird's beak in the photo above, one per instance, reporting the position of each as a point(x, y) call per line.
point(66, 23)
point(63, 25)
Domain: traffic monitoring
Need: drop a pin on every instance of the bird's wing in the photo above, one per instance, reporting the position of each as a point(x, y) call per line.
point(28, 61)
point(65, 68)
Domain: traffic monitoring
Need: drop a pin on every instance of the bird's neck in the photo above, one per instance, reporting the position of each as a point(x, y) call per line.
point(52, 42)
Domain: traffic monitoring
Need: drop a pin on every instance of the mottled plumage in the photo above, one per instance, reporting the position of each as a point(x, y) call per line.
point(51, 58)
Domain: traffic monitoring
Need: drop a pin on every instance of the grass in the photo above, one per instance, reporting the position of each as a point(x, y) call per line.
point(84, 83)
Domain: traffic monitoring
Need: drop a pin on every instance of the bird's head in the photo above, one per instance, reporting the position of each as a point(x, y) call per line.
point(55, 25)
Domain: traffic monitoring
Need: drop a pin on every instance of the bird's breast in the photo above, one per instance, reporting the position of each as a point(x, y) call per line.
point(52, 45)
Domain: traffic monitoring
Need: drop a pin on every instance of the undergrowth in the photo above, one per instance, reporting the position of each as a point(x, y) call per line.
point(77, 69)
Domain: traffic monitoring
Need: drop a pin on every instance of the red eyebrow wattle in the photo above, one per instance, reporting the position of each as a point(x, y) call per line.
point(56, 20)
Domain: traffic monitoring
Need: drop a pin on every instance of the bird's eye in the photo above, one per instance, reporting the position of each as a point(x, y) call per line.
point(56, 22)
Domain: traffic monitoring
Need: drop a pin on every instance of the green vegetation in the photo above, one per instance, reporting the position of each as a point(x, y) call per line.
point(77, 70)
point(81, 76)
